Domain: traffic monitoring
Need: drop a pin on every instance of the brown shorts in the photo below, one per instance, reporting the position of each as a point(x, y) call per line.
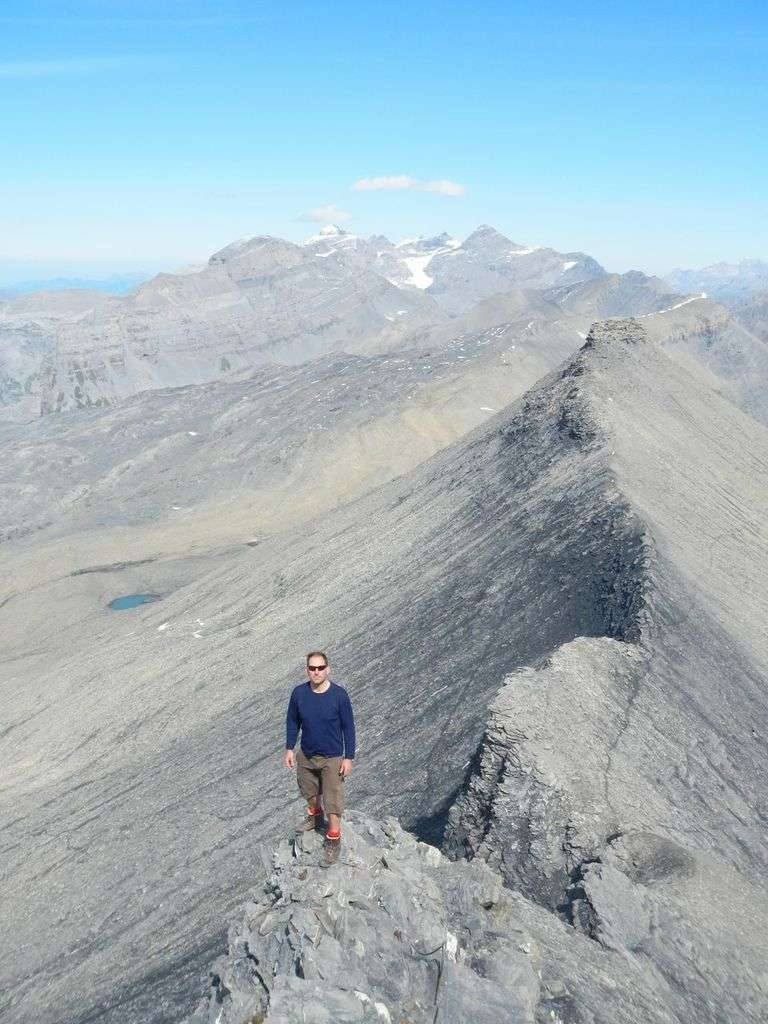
point(320, 775)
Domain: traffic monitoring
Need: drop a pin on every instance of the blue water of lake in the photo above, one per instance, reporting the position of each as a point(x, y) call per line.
point(132, 601)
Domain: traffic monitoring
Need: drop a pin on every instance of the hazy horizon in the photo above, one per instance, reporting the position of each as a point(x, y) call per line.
point(22, 273)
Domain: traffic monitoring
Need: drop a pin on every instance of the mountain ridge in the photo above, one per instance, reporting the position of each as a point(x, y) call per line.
point(619, 485)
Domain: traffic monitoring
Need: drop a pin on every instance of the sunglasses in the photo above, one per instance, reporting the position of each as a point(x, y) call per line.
point(317, 668)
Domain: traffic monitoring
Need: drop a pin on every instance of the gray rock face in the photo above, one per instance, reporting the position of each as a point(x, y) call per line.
point(392, 932)
point(754, 315)
point(488, 263)
point(617, 781)
point(615, 295)
point(600, 545)
point(709, 336)
point(28, 326)
point(395, 932)
point(700, 924)
point(261, 300)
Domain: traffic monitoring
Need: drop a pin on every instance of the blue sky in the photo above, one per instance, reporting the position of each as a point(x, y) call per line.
point(150, 134)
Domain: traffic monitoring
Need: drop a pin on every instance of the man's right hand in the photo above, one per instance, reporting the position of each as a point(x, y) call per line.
point(290, 759)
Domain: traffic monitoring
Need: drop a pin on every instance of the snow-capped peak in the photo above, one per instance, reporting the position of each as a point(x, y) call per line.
point(331, 234)
point(426, 245)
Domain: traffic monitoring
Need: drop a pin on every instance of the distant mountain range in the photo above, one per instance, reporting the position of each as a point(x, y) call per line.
point(726, 282)
point(265, 300)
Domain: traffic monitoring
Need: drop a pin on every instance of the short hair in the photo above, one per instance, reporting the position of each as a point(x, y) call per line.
point(318, 654)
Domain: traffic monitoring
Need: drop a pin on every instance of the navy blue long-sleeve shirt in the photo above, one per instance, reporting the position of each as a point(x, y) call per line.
point(325, 719)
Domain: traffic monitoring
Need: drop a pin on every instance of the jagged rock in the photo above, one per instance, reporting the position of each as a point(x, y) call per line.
point(397, 933)
point(392, 933)
point(536, 803)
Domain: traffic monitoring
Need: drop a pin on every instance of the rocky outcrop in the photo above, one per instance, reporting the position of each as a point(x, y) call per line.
point(536, 803)
point(395, 932)
point(392, 933)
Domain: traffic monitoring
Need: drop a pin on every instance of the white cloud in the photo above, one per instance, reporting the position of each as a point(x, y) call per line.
point(69, 66)
point(404, 182)
point(326, 215)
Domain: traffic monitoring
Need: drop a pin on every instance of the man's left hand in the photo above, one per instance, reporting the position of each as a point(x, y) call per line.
point(346, 768)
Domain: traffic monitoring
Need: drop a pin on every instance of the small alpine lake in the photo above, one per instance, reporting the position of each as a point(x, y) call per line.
point(119, 604)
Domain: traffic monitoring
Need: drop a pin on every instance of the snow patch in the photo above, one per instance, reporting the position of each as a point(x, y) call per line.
point(677, 305)
point(569, 263)
point(331, 235)
point(416, 268)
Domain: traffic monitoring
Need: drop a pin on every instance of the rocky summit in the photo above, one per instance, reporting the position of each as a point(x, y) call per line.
point(392, 932)
point(553, 634)
point(396, 932)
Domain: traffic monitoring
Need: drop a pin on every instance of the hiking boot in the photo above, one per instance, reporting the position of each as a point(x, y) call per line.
point(331, 850)
point(310, 822)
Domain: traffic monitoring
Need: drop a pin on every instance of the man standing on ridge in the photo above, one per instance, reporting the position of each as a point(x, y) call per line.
point(323, 712)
